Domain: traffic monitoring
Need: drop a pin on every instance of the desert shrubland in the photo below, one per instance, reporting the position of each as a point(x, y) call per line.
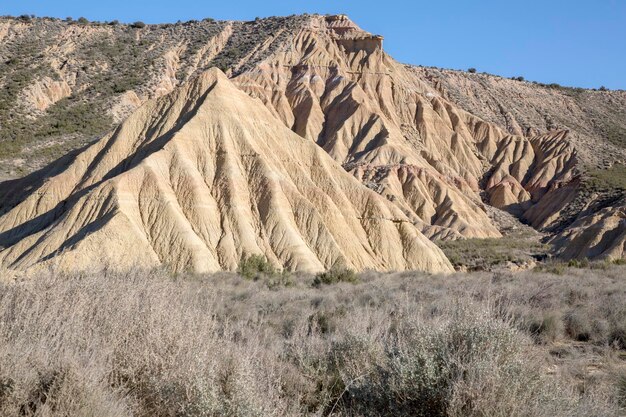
point(149, 343)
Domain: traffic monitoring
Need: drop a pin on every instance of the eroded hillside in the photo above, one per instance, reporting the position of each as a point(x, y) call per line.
point(67, 83)
point(198, 180)
point(449, 151)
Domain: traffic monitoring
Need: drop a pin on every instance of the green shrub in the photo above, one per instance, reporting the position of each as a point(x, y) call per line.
point(472, 70)
point(138, 25)
point(578, 263)
point(83, 20)
point(555, 268)
point(335, 275)
point(254, 266)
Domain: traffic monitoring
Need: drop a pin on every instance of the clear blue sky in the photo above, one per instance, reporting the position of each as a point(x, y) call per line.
point(570, 42)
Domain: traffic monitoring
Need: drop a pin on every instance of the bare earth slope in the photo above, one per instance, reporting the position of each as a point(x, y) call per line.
point(588, 212)
point(199, 179)
point(446, 149)
point(401, 136)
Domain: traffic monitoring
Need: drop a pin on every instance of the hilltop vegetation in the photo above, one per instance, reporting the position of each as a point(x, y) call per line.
point(100, 62)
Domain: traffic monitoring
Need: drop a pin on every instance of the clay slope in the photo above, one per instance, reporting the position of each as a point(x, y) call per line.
point(599, 235)
point(197, 180)
point(444, 147)
point(335, 86)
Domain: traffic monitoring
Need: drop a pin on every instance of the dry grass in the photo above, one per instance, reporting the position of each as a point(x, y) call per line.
point(488, 254)
point(149, 344)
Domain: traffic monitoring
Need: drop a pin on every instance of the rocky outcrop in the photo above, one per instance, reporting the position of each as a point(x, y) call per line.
point(197, 180)
point(599, 235)
point(401, 137)
point(44, 93)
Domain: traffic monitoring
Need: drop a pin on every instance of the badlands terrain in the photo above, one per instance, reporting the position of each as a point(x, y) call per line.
point(195, 145)
point(264, 218)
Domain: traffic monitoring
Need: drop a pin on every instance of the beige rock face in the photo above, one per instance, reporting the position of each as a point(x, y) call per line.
point(45, 92)
point(335, 86)
point(446, 149)
point(197, 180)
point(126, 104)
point(597, 235)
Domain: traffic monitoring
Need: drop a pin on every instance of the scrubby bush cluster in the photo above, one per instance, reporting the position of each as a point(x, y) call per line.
point(149, 344)
point(254, 266)
point(479, 254)
point(258, 268)
point(335, 275)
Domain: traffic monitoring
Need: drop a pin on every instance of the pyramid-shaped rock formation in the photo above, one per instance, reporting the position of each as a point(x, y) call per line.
point(334, 85)
point(197, 180)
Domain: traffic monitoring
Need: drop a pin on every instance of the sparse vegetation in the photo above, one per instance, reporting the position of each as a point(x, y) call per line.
point(335, 275)
point(146, 343)
point(471, 70)
point(578, 263)
point(613, 178)
point(556, 268)
point(484, 254)
point(622, 390)
point(254, 266)
point(106, 64)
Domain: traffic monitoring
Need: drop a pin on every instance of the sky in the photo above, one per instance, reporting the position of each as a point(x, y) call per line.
point(580, 43)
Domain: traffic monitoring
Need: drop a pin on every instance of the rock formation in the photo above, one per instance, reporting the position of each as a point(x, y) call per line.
point(198, 180)
point(600, 235)
point(439, 151)
point(400, 136)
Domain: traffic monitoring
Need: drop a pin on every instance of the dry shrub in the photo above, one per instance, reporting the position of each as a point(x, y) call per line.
point(149, 344)
point(578, 325)
point(145, 345)
point(469, 364)
point(546, 328)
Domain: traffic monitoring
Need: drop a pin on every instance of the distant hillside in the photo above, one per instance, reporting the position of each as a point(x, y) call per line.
point(67, 83)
